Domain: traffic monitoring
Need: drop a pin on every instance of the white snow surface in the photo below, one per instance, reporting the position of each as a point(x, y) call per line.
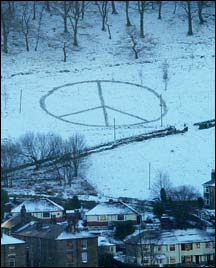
point(10, 240)
point(77, 235)
point(178, 237)
point(38, 205)
point(190, 95)
point(109, 209)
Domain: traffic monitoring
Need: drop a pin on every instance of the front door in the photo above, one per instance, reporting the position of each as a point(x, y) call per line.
point(197, 259)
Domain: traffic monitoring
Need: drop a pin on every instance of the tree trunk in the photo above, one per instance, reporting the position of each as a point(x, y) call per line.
point(190, 31)
point(114, 11)
point(48, 6)
point(64, 51)
point(65, 17)
point(26, 41)
point(83, 9)
point(5, 33)
point(174, 11)
point(200, 6)
point(159, 11)
point(127, 15)
point(75, 34)
point(34, 10)
point(103, 23)
point(142, 25)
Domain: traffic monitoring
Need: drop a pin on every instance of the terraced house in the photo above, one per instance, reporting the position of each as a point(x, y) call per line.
point(209, 192)
point(176, 247)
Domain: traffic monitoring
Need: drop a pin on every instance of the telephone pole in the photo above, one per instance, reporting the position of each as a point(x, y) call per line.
point(161, 105)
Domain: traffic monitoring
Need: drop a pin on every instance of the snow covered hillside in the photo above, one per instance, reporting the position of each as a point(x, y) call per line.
point(102, 82)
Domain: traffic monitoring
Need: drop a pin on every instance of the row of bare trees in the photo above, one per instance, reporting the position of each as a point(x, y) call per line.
point(18, 16)
point(163, 188)
point(69, 161)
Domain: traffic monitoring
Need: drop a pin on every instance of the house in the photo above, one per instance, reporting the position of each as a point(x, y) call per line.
point(105, 246)
point(53, 245)
point(13, 252)
point(185, 247)
point(209, 192)
point(42, 208)
point(104, 214)
point(15, 222)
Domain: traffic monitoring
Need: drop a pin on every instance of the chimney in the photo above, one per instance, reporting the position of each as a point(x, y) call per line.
point(213, 175)
point(23, 213)
point(70, 227)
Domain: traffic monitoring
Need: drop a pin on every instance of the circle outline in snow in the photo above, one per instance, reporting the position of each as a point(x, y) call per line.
point(50, 92)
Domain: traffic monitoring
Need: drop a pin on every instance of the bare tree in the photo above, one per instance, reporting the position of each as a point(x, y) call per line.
point(64, 52)
point(39, 27)
point(200, 8)
point(175, 6)
point(103, 9)
point(76, 147)
point(34, 10)
point(184, 193)
point(161, 181)
point(165, 73)
point(74, 17)
point(114, 11)
point(141, 9)
point(63, 8)
point(127, 14)
point(26, 24)
point(133, 36)
point(187, 8)
point(5, 20)
point(36, 147)
point(10, 157)
point(159, 9)
point(47, 5)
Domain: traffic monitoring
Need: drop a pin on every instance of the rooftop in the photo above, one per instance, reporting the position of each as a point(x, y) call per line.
point(76, 235)
point(10, 240)
point(111, 208)
point(171, 237)
point(16, 221)
point(38, 205)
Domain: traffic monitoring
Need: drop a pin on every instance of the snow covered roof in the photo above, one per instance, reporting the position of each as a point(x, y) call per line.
point(77, 235)
point(10, 240)
point(209, 183)
point(16, 221)
point(38, 205)
point(103, 241)
point(172, 237)
point(111, 208)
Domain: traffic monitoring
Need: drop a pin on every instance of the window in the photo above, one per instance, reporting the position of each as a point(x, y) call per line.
point(159, 248)
point(206, 189)
point(69, 259)
point(187, 259)
point(69, 246)
point(12, 262)
point(145, 260)
point(172, 247)
point(207, 244)
point(172, 260)
point(213, 244)
point(46, 215)
point(186, 247)
point(120, 217)
point(84, 244)
point(84, 257)
point(197, 245)
point(102, 218)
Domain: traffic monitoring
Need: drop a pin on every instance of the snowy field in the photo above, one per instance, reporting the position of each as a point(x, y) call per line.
point(92, 105)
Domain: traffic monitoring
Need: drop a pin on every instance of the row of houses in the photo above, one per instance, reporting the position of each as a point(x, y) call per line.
point(37, 235)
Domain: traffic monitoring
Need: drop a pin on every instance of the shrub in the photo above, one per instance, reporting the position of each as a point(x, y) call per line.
point(123, 229)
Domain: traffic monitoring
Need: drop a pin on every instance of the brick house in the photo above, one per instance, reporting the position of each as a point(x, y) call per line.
point(107, 213)
point(174, 247)
point(42, 208)
point(53, 245)
point(13, 252)
point(209, 192)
